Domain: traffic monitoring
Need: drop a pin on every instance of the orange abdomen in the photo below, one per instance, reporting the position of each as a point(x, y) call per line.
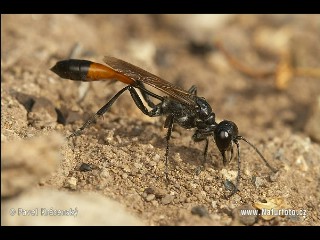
point(83, 70)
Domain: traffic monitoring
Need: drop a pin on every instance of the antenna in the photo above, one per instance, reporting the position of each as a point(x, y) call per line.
point(262, 157)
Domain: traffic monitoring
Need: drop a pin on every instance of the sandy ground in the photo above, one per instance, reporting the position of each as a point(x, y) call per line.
point(113, 174)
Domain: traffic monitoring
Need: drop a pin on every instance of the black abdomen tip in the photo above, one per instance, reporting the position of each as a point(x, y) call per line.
point(72, 69)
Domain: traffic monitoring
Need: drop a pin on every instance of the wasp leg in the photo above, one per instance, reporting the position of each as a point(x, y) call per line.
point(231, 152)
point(198, 138)
point(145, 95)
point(205, 152)
point(108, 105)
point(169, 125)
point(101, 111)
point(193, 90)
point(155, 112)
point(235, 188)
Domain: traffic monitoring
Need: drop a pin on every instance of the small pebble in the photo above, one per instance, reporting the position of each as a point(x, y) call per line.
point(274, 176)
point(214, 204)
point(71, 183)
point(42, 182)
point(200, 210)
point(156, 158)
point(167, 199)
point(85, 167)
point(104, 173)
point(155, 203)
point(229, 186)
point(150, 197)
point(258, 181)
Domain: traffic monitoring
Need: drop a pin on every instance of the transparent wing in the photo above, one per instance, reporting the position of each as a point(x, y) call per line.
point(138, 74)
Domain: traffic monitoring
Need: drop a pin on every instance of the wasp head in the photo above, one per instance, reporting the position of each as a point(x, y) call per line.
point(225, 134)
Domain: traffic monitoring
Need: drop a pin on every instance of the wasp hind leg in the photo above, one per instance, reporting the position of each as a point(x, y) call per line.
point(108, 105)
point(101, 111)
point(146, 94)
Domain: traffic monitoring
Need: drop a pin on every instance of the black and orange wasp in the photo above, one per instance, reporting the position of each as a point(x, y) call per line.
point(180, 107)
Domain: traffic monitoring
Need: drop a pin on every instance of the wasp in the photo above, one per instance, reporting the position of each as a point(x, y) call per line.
point(181, 107)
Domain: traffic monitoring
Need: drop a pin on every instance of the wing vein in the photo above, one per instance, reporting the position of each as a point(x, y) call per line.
point(138, 74)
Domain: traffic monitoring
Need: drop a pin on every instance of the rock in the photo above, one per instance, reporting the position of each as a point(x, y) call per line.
point(274, 176)
point(85, 167)
point(201, 211)
point(167, 199)
point(258, 182)
point(156, 158)
point(104, 173)
point(150, 197)
point(71, 183)
point(230, 186)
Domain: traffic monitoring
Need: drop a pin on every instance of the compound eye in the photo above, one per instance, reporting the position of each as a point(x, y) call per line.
point(224, 134)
